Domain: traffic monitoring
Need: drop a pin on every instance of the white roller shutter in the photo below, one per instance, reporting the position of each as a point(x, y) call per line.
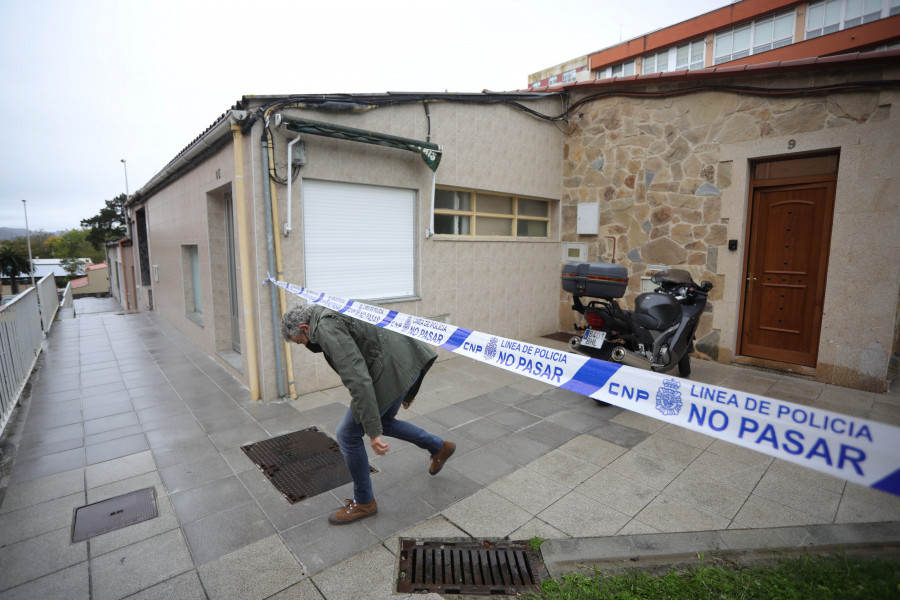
point(359, 240)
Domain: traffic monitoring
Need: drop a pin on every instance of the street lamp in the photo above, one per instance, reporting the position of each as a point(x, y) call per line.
point(28, 239)
point(125, 166)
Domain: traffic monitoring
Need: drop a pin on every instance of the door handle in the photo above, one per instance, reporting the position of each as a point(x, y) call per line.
point(750, 277)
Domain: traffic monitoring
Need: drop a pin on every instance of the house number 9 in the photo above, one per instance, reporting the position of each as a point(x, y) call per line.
point(791, 144)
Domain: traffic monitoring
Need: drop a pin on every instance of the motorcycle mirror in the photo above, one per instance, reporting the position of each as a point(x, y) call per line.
point(706, 286)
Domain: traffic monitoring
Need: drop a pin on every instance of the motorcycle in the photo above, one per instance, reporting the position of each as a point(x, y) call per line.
point(657, 335)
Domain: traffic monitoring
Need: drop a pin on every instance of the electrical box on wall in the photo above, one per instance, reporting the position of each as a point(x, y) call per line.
point(298, 154)
point(575, 251)
point(588, 222)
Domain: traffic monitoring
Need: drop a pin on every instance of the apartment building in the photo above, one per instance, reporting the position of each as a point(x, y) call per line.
point(749, 32)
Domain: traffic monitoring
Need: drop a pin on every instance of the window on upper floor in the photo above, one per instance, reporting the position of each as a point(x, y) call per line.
point(733, 44)
point(620, 70)
point(753, 38)
point(829, 16)
point(655, 63)
point(568, 76)
point(773, 32)
point(858, 12)
point(485, 214)
point(823, 18)
point(691, 55)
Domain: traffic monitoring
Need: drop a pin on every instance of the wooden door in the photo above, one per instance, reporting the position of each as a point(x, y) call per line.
point(790, 235)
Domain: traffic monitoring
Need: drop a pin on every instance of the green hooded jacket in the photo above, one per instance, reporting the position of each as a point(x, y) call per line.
point(375, 364)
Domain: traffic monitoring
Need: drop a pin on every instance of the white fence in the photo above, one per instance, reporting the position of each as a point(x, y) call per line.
point(48, 301)
point(23, 323)
point(67, 300)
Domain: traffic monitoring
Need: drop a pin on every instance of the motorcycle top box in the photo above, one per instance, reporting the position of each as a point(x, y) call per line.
point(597, 280)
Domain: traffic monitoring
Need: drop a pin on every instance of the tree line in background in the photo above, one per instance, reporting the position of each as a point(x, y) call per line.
point(88, 242)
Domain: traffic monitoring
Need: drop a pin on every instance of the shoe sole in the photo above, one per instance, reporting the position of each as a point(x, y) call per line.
point(334, 521)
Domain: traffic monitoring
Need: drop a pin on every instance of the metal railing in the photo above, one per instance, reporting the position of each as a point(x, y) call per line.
point(20, 343)
point(67, 300)
point(48, 301)
point(24, 321)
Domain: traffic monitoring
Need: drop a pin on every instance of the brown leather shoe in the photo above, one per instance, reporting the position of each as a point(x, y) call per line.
point(438, 460)
point(353, 511)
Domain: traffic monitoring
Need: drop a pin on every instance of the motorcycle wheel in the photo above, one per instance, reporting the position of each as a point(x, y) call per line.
point(684, 365)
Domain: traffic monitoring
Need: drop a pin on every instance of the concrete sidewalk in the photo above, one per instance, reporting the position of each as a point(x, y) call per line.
point(123, 402)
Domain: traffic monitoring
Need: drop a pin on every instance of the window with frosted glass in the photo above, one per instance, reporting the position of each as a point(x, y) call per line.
point(732, 44)
point(773, 32)
point(484, 214)
point(830, 16)
point(655, 63)
point(690, 56)
point(823, 18)
point(622, 69)
point(858, 12)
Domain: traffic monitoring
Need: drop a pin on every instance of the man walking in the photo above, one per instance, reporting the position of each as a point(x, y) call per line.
point(382, 370)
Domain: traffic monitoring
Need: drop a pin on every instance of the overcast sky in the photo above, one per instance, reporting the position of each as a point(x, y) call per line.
point(86, 83)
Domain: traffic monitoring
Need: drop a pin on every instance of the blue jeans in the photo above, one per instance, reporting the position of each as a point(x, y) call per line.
point(350, 438)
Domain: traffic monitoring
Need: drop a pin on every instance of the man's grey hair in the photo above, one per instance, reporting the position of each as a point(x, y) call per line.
point(296, 316)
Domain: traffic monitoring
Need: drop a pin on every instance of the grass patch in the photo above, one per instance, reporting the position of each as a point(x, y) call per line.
point(535, 543)
point(806, 577)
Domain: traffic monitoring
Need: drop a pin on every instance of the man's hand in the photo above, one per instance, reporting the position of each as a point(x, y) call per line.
point(379, 446)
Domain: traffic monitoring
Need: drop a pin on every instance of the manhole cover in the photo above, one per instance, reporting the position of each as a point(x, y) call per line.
point(115, 513)
point(469, 568)
point(301, 464)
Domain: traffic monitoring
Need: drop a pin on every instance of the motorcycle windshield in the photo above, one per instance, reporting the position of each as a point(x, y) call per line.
point(674, 276)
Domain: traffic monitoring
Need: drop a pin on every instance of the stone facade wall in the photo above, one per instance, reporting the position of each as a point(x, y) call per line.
point(671, 176)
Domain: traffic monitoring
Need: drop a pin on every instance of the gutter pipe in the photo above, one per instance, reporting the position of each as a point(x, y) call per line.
point(292, 390)
point(270, 253)
point(246, 267)
point(290, 164)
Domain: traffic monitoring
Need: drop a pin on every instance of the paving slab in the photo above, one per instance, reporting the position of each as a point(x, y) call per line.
point(39, 556)
point(186, 586)
point(41, 490)
point(227, 531)
point(486, 514)
point(72, 583)
point(254, 572)
point(139, 566)
point(319, 545)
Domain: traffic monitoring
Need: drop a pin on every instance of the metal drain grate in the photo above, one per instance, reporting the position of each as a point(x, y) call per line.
point(115, 513)
point(468, 568)
point(301, 464)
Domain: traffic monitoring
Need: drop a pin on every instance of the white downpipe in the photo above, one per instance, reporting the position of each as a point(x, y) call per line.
point(290, 200)
point(430, 231)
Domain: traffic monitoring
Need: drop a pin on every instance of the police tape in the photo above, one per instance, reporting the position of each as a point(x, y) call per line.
point(855, 449)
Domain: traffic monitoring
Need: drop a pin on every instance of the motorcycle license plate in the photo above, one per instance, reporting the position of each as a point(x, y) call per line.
point(593, 338)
